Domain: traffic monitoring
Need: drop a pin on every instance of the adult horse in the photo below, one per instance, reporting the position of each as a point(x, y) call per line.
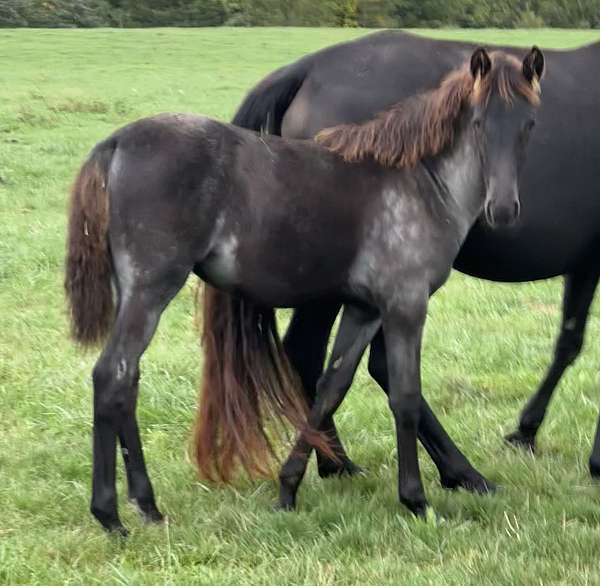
point(253, 216)
point(559, 230)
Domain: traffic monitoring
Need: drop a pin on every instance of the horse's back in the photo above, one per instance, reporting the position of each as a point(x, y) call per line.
point(351, 82)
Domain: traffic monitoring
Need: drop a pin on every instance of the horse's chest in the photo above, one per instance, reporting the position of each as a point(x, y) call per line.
point(401, 243)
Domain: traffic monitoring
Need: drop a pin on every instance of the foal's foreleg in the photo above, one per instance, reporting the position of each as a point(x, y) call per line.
point(116, 376)
point(306, 345)
point(454, 468)
point(403, 332)
point(356, 331)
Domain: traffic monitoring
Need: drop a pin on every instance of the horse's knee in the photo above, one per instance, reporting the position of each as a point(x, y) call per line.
point(113, 382)
point(406, 409)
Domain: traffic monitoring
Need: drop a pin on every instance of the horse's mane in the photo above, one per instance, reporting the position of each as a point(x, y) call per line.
point(424, 125)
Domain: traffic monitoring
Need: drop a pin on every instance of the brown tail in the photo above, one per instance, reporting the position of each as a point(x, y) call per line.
point(247, 381)
point(88, 266)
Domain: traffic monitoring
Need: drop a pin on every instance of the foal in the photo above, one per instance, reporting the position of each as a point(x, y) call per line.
point(374, 216)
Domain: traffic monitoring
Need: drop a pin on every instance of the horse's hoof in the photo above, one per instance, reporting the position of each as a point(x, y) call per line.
point(471, 482)
point(595, 470)
point(148, 511)
point(419, 508)
point(521, 440)
point(109, 520)
point(285, 507)
point(344, 468)
point(118, 530)
point(421, 511)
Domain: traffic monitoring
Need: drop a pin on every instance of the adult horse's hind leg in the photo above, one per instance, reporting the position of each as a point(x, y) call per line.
point(578, 296)
point(454, 468)
point(357, 329)
point(116, 376)
point(306, 345)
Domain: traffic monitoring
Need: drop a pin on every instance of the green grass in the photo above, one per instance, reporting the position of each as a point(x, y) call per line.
point(486, 348)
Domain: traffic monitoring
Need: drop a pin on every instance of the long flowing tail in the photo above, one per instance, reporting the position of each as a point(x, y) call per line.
point(247, 382)
point(88, 266)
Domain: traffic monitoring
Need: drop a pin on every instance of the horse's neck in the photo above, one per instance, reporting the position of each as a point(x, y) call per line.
point(459, 173)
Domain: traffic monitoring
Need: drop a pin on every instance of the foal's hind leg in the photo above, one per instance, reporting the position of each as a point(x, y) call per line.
point(306, 345)
point(116, 375)
point(356, 331)
point(140, 492)
point(578, 296)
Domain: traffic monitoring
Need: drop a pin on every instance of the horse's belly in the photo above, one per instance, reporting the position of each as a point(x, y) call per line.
point(520, 254)
point(284, 275)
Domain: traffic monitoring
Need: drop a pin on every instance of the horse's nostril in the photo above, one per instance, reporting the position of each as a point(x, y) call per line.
point(489, 213)
point(517, 209)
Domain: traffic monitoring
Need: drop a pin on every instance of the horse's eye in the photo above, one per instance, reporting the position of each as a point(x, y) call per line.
point(477, 123)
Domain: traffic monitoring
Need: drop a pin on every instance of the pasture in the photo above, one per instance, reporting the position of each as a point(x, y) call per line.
point(486, 348)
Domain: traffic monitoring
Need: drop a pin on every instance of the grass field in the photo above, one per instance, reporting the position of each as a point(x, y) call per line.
point(486, 348)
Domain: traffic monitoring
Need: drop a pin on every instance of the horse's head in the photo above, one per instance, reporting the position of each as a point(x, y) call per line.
point(502, 118)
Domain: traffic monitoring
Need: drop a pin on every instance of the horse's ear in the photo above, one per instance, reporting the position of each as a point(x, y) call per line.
point(480, 63)
point(533, 65)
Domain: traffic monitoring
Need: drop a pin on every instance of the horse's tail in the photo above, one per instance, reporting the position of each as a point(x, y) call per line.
point(247, 381)
point(88, 267)
point(265, 105)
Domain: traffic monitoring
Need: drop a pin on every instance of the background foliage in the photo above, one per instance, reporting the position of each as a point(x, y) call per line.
point(347, 13)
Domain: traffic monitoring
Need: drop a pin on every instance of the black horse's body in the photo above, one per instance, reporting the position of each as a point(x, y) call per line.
point(559, 229)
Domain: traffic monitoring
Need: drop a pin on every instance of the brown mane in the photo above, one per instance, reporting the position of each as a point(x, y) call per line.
point(424, 125)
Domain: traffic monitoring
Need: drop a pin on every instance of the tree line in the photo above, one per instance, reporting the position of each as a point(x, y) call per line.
point(349, 13)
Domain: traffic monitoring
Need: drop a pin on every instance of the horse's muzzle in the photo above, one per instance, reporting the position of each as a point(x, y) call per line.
point(502, 214)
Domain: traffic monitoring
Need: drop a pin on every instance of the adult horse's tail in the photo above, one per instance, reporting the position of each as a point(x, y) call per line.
point(88, 267)
point(247, 381)
point(265, 105)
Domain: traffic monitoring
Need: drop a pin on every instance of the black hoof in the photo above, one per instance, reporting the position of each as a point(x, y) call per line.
point(148, 511)
point(286, 507)
point(110, 521)
point(119, 531)
point(344, 468)
point(420, 510)
point(521, 440)
point(595, 470)
point(471, 482)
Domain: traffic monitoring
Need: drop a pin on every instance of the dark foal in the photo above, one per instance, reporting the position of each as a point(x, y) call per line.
point(373, 216)
point(558, 231)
